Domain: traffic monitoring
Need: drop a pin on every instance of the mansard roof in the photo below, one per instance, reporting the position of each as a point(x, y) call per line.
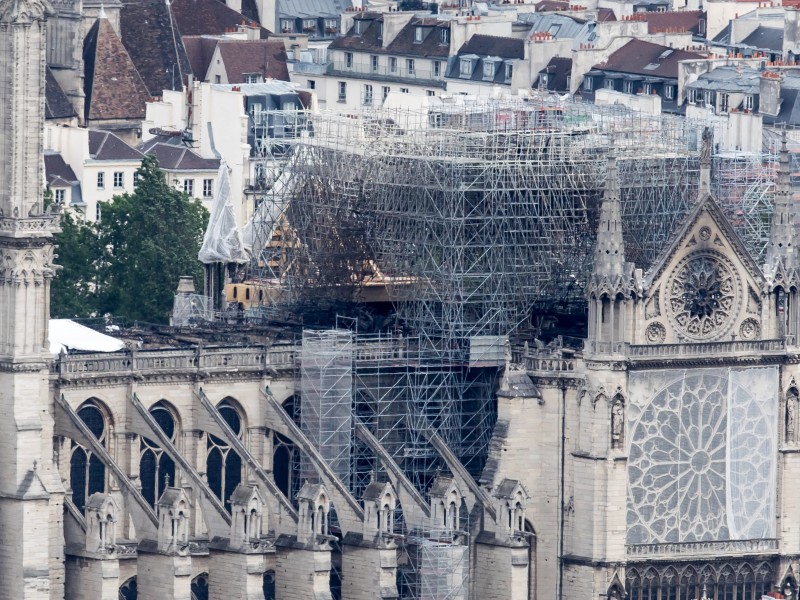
point(242, 57)
point(56, 103)
point(114, 89)
point(404, 42)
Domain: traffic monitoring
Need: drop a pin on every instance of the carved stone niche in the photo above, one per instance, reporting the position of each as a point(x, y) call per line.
point(174, 513)
point(314, 504)
point(247, 514)
point(445, 504)
point(101, 524)
point(379, 504)
point(510, 500)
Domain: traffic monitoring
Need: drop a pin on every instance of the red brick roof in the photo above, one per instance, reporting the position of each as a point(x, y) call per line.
point(113, 87)
point(674, 21)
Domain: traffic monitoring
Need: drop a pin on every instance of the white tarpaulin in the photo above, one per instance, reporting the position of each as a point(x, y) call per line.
point(68, 335)
point(702, 455)
point(222, 241)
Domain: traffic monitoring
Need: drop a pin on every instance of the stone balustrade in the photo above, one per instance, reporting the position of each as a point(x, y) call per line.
point(704, 549)
point(707, 349)
point(179, 361)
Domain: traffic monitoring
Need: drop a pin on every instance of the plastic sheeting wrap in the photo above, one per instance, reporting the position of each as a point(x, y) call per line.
point(268, 214)
point(222, 241)
point(702, 455)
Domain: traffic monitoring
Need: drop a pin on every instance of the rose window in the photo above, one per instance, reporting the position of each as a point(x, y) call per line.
point(702, 296)
point(692, 475)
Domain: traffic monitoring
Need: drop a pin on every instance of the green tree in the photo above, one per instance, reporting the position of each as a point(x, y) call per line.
point(128, 264)
point(149, 239)
point(73, 288)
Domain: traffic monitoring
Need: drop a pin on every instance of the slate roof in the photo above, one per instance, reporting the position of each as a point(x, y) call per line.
point(104, 145)
point(56, 103)
point(557, 70)
point(112, 85)
point(674, 21)
point(199, 51)
point(507, 488)
point(157, 49)
point(551, 5)
point(267, 57)
point(177, 158)
point(403, 44)
point(57, 172)
point(492, 45)
point(242, 494)
point(559, 26)
point(148, 36)
point(743, 80)
point(517, 384)
point(644, 58)
point(764, 38)
point(375, 490)
point(308, 9)
point(441, 485)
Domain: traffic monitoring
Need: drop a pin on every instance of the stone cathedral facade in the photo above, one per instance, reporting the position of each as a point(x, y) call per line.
point(660, 462)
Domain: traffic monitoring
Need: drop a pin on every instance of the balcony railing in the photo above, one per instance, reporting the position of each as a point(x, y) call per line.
point(710, 548)
point(401, 73)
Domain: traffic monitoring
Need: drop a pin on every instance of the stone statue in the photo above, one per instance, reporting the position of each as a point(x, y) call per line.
point(791, 418)
point(617, 424)
point(705, 151)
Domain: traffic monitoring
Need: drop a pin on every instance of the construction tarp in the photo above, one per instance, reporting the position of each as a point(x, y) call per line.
point(66, 335)
point(222, 241)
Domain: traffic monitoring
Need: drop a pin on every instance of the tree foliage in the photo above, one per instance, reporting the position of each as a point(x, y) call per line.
point(128, 263)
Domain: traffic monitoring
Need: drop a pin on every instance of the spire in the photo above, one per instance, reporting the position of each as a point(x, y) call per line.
point(781, 235)
point(609, 257)
point(102, 13)
point(705, 163)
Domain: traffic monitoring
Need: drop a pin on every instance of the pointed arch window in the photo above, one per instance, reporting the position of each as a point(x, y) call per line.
point(223, 465)
point(285, 456)
point(87, 473)
point(156, 467)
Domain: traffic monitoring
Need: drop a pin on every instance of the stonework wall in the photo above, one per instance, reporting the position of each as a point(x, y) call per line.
point(160, 577)
point(235, 575)
point(92, 579)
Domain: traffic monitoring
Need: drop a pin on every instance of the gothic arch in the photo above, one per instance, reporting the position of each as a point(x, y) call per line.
point(128, 590)
point(200, 587)
point(223, 464)
point(87, 473)
point(268, 585)
point(156, 467)
point(285, 455)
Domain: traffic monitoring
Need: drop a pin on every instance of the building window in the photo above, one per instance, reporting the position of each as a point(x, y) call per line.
point(188, 187)
point(98, 212)
point(87, 473)
point(410, 66)
point(723, 102)
point(647, 88)
point(403, 90)
point(342, 91)
point(61, 196)
point(309, 26)
point(488, 69)
point(136, 178)
point(588, 84)
point(287, 25)
point(708, 96)
point(694, 96)
point(223, 466)
point(119, 179)
point(392, 64)
point(312, 85)
point(357, 26)
point(348, 60)
point(156, 467)
point(217, 79)
point(509, 71)
point(385, 91)
point(465, 67)
point(374, 63)
point(609, 84)
point(437, 68)
point(418, 34)
point(669, 92)
point(444, 35)
point(101, 180)
point(367, 94)
point(208, 186)
point(748, 102)
point(430, 93)
point(627, 87)
point(252, 78)
point(331, 26)
point(380, 29)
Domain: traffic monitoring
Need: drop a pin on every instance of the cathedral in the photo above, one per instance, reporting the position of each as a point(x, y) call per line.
point(657, 462)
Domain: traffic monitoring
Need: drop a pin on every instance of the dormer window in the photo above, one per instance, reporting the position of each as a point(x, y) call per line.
point(348, 60)
point(488, 69)
point(287, 25)
point(465, 67)
point(309, 25)
point(418, 35)
point(331, 26)
point(444, 36)
point(252, 78)
point(509, 71)
point(380, 30)
point(358, 27)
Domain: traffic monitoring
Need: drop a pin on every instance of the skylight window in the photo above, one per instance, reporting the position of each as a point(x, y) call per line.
point(666, 53)
point(652, 67)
